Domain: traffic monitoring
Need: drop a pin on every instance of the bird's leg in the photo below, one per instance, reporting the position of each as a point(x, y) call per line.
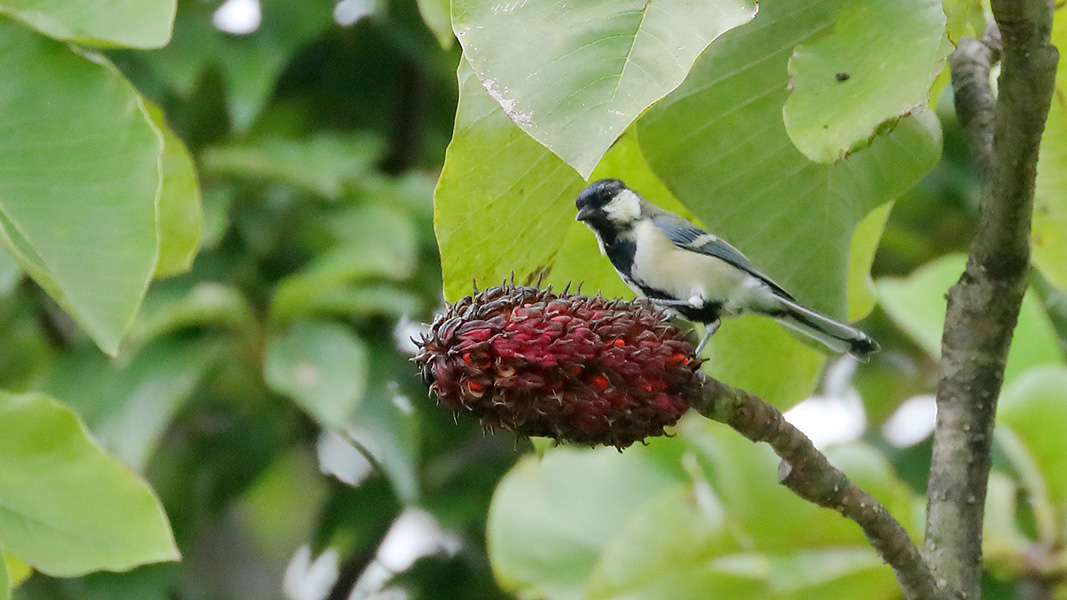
point(709, 330)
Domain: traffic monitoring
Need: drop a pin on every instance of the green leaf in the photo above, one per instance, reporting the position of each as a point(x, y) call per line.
point(68, 508)
point(744, 477)
point(81, 173)
point(373, 241)
point(678, 545)
point(385, 426)
point(320, 365)
point(435, 13)
point(252, 64)
point(1034, 409)
point(512, 212)
point(719, 143)
point(180, 220)
point(917, 305)
point(136, 23)
point(575, 75)
point(9, 272)
point(128, 407)
point(832, 573)
point(17, 571)
point(281, 509)
point(964, 17)
point(701, 511)
point(545, 534)
point(174, 308)
point(1048, 237)
point(1004, 545)
point(861, 288)
point(5, 584)
point(325, 164)
point(527, 194)
point(876, 65)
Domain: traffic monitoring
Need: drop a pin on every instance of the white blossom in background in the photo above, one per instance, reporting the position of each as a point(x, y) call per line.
point(836, 416)
point(340, 458)
point(912, 422)
point(239, 17)
point(305, 579)
point(405, 331)
point(413, 535)
point(347, 12)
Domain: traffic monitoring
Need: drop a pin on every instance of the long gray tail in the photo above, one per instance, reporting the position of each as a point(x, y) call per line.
point(828, 332)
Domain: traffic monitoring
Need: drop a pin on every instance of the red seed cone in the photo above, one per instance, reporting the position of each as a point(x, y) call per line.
point(570, 367)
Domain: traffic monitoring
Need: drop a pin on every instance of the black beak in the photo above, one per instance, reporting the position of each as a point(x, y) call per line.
point(584, 214)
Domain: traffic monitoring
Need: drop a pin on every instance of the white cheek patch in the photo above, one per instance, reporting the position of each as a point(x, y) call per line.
point(624, 208)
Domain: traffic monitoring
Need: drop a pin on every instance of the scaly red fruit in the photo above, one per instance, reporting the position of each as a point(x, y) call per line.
point(566, 366)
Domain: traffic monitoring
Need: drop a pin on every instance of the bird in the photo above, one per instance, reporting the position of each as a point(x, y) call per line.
point(681, 267)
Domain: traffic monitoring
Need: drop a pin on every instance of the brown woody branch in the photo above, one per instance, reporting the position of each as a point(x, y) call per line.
point(808, 473)
point(984, 305)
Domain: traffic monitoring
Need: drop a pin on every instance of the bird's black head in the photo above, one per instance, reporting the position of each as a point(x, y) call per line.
point(607, 202)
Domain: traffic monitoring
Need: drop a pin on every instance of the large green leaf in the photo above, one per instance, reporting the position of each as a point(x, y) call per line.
point(917, 304)
point(677, 545)
point(575, 75)
point(81, 171)
point(719, 143)
point(551, 518)
point(875, 65)
point(512, 212)
point(5, 585)
point(128, 406)
point(698, 514)
point(1034, 409)
point(137, 23)
point(320, 365)
point(66, 507)
point(1049, 234)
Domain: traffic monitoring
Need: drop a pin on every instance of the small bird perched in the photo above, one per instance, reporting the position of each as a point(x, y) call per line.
point(675, 264)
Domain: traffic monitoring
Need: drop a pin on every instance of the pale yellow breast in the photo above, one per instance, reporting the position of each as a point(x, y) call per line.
point(683, 274)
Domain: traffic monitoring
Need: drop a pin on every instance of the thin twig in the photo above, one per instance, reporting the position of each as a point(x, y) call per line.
point(984, 305)
point(808, 473)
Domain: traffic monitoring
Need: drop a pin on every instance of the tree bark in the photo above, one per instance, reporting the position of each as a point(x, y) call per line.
point(984, 305)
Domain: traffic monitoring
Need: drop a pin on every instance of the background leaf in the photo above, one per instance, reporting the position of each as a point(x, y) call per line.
point(9, 272)
point(701, 511)
point(1049, 234)
point(128, 407)
point(917, 305)
point(741, 174)
point(545, 536)
point(1033, 407)
point(876, 64)
point(68, 508)
point(137, 23)
point(320, 365)
point(77, 204)
point(575, 75)
point(179, 218)
point(436, 14)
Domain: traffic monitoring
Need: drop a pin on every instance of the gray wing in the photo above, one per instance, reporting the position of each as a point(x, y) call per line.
point(685, 235)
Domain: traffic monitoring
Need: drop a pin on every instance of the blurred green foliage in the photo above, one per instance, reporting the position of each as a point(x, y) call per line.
point(264, 390)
